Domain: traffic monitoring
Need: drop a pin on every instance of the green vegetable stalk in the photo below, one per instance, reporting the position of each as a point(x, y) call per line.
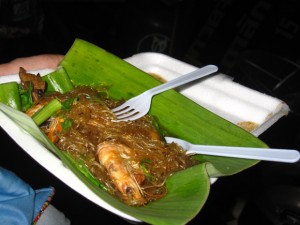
point(48, 110)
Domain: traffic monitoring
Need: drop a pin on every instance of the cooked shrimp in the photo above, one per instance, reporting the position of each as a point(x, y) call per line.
point(114, 157)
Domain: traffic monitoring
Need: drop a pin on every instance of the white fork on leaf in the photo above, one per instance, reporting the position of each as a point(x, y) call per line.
point(266, 154)
point(139, 106)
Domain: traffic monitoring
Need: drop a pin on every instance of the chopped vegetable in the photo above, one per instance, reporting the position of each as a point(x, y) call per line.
point(26, 97)
point(45, 112)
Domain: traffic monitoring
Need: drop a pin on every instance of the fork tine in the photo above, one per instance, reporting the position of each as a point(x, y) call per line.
point(134, 111)
point(126, 113)
point(120, 108)
point(123, 110)
point(135, 116)
point(125, 106)
point(129, 116)
point(128, 110)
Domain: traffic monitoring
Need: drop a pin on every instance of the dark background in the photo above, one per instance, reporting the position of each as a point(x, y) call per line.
point(256, 42)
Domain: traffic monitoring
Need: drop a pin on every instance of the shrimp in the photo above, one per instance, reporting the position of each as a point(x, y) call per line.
point(114, 157)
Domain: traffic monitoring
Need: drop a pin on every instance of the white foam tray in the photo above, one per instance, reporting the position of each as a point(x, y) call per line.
point(219, 93)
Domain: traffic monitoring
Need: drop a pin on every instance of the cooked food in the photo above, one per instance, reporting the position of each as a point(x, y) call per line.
point(28, 79)
point(131, 159)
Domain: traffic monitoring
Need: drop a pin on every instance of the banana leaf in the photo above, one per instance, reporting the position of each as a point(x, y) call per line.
point(187, 190)
point(178, 116)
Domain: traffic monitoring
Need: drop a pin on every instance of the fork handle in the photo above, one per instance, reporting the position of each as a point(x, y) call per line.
point(196, 74)
point(269, 154)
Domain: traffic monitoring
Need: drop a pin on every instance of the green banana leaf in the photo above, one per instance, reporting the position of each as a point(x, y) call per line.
point(177, 116)
point(187, 190)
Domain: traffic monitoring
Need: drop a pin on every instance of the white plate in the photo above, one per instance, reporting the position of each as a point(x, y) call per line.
point(162, 65)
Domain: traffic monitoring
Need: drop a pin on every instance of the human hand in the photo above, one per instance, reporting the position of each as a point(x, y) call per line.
point(37, 62)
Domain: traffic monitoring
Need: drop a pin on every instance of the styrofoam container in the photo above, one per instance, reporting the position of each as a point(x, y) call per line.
point(248, 108)
point(218, 94)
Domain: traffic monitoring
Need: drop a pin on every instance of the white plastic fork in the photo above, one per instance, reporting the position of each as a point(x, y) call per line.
point(266, 154)
point(139, 106)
